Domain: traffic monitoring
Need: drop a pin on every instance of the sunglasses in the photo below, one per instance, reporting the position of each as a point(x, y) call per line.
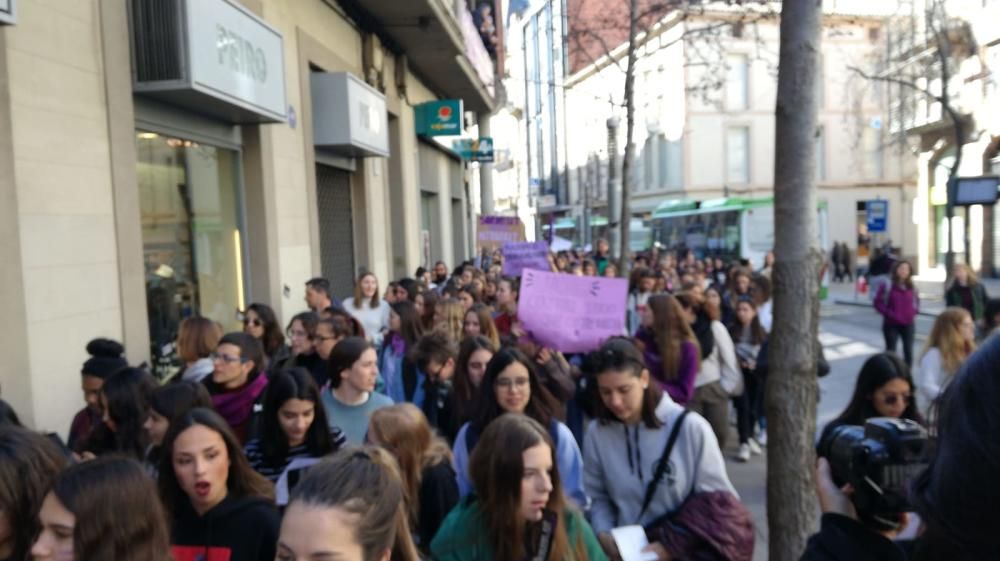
point(893, 398)
point(254, 322)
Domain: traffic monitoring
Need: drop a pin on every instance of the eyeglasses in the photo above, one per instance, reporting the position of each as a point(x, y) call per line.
point(892, 398)
point(510, 384)
point(293, 334)
point(256, 322)
point(226, 358)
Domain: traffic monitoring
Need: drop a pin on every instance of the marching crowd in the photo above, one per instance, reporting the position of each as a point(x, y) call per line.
point(424, 422)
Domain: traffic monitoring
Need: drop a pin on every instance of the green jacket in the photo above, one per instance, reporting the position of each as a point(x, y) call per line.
point(463, 536)
point(953, 297)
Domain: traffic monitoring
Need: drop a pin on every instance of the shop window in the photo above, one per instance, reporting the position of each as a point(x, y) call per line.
point(191, 234)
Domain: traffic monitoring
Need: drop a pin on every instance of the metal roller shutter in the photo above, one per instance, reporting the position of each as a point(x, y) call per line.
point(336, 228)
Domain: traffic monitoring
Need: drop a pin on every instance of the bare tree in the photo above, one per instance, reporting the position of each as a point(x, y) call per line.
point(922, 63)
point(792, 388)
point(628, 23)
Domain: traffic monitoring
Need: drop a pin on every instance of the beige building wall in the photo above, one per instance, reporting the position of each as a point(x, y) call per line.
point(62, 172)
point(70, 216)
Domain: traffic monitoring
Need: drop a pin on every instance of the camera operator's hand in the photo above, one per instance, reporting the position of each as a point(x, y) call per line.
point(832, 498)
point(838, 500)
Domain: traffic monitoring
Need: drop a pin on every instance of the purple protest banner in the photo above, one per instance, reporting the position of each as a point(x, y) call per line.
point(569, 313)
point(494, 231)
point(518, 256)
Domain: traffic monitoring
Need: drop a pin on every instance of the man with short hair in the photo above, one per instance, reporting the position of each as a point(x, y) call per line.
point(434, 356)
point(318, 296)
point(440, 277)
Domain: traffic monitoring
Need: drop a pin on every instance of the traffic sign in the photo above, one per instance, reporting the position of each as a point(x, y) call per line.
point(877, 215)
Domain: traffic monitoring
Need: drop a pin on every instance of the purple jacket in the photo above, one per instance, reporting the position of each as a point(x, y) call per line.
point(712, 526)
point(681, 389)
point(900, 307)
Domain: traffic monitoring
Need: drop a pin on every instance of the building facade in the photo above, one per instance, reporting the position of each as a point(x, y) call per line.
point(970, 83)
point(705, 97)
point(165, 159)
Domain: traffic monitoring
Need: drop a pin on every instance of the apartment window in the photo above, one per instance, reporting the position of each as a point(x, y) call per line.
point(820, 154)
point(670, 159)
point(738, 155)
point(737, 82)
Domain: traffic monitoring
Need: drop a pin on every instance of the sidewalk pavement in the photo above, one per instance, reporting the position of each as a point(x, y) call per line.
point(931, 294)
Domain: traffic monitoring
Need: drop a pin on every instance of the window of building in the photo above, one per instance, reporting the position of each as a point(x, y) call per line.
point(671, 171)
point(738, 155)
point(737, 82)
point(192, 238)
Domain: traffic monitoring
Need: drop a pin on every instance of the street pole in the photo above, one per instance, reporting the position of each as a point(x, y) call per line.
point(586, 206)
point(613, 191)
point(485, 171)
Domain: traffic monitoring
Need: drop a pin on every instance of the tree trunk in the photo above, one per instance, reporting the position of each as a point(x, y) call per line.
point(628, 162)
point(792, 388)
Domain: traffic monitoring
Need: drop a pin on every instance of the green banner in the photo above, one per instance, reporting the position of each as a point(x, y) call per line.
point(439, 118)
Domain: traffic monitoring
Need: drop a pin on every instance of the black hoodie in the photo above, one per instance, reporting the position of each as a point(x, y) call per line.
point(237, 529)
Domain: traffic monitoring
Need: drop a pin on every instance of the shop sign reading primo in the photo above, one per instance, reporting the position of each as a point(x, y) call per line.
point(439, 118)
point(246, 64)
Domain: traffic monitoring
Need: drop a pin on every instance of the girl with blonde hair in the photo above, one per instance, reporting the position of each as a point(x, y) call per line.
point(951, 342)
point(449, 317)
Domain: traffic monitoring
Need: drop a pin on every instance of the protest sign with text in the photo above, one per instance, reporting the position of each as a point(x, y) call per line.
point(494, 231)
point(518, 256)
point(571, 314)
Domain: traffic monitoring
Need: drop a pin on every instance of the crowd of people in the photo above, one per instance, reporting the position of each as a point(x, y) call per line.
point(424, 422)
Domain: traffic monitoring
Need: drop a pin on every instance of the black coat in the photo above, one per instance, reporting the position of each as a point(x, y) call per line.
point(236, 529)
point(844, 539)
point(438, 494)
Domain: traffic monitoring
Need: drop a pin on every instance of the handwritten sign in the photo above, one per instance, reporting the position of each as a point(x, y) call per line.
point(494, 231)
point(569, 313)
point(525, 255)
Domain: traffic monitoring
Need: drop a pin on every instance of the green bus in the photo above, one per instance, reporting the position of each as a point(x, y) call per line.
point(730, 228)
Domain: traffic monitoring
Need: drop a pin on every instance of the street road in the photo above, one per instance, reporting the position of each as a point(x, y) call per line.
point(849, 335)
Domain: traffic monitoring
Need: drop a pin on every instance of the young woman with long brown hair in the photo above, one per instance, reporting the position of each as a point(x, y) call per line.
point(518, 510)
point(102, 510)
point(666, 456)
point(424, 464)
point(479, 321)
point(512, 385)
point(952, 340)
point(405, 329)
point(669, 346)
point(899, 304)
point(473, 356)
point(219, 507)
point(370, 309)
point(29, 463)
point(350, 507)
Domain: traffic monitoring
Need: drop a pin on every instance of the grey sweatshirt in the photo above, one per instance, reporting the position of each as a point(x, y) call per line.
point(617, 471)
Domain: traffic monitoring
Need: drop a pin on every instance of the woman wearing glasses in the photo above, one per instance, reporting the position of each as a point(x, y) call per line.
point(884, 389)
point(238, 382)
point(511, 385)
point(260, 321)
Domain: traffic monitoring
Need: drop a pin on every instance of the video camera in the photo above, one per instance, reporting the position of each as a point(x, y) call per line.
point(879, 460)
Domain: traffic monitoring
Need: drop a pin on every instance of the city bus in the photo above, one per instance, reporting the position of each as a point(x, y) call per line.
point(729, 228)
